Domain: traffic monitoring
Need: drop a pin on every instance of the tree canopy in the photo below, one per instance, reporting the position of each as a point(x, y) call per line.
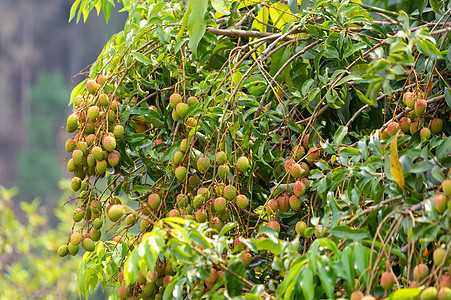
point(264, 149)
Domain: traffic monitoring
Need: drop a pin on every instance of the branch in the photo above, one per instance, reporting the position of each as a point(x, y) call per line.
point(248, 33)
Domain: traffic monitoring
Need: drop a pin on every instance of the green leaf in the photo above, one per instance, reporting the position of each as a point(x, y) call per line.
point(352, 49)
point(73, 9)
point(293, 5)
point(307, 285)
point(232, 283)
point(76, 91)
point(196, 23)
point(141, 57)
point(448, 96)
point(219, 6)
point(339, 135)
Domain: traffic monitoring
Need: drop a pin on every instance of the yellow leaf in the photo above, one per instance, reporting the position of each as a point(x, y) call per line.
point(280, 15)
point(357, 1)
point(395, 164)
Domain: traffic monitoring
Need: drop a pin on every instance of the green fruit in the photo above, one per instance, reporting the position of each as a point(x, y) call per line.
point(70, 145)
point(414, 127)
point(201, 215)
point(178, 156)
point(73, 249)
point(274, 225)
point(438, 256)
point(420, 107)
point(180, 173)
point(93, 113)
point(145, 224)
point(95, 234)
point(184, 144)
point(90, 139)
point(205, 192)
point(182, 200)
point(175, 116)
point(123, 292)
point(130, 220)
point(181, 109)
point(97, 152)
point(101, 166)
point(425, 133)
point(88, 244)
point(77, 157)
point(224, 216)
point(312, 155)
point(198, 201)
point(300, 228)
point(409, 99)
point(242, 164)
point(387, 281)
point(63, 250)
point(223, 171)
point(288, 164)
point(429, 293)
point(76, 238)
point(220, 205)
point(444, 294)
point(446, 187)
point(420, 272)
point(230, 192)
point(175, 99)
point(404, 124)
point(109, 143)
point(192, 100)
point(437, 125)
point(76, 184)
point(440, 203)
point(193, 181)
point(92, 86)
point(241, 201)
point(118, 131)
point(103, 100)
point(295, 203)
point(72, 123)
point(71, 165)
point(296, 170)
point(115, 212)
point(154, 201)
point(221, 158)
point(190, 122)
point(298, 152)
point(174, 213)
point(98, 223)
point(203, 163)
point(78, 215)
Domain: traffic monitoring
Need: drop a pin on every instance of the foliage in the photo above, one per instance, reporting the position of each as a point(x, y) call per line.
point(29, 265)
point(313, 95)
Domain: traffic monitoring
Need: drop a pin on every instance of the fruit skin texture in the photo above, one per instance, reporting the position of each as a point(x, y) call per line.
point(70, 145)
point(242, 201)
point(154, 201)
point(201, 215)
point(296, 170)
point(180, 173)
point(425, 133)
point(446, 187)
point(97, 152)
point(242, 164)
point(220, 205)
point(392, 128)
point(181, 109)
point(109, 143)
point(76, 183)
point(295, 203)
point(283, 203)
point(271, 206)
point(274, 225)
point(299, 188)
point(123, 292)
point(221, 157)
point(93, 113)
point(203, 163)
point(438, 256)
point(192, 100)
point(409, 99)
point(440, 203)
point(444, 294)
point(368, 297)
point(420, 107)
point(230, 192)
point(445, 281)
point(300, 229)
point(246, 259)
point(73, 249)
point(72, 123)
point(223, 171)
point(404, 124)
point(420, 272)
point(174, 99)
point(312, 155)
point(414, 127)
point(76, 238)
point(429, 293)
point(387, 281)
point(113, 158)
point(115, 212)
point(118, 131)
point(63, 250)
point(92, 86)
point(88, 244)
point(357, 295)
point(437, 125)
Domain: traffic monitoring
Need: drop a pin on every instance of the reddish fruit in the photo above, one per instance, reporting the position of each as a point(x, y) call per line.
point(437, 125)
point(298, 152)
point(283, 203)
point(299, 188)
point(357, 295)
point(230, 192)
point(113, 158)
point(296, 170)
point(414, 127)
point(438, 256)
point(295, 203)
point(368, 297)
point(305, 141)
point(420, 107)
point(271, 206)
point(392, 128)
point(154, 201)
point(409, 99)
point(70, 145)
point(445, 281)
point(203, 163)
point(446, 187)
point(123, 292)
point(180, 173)
point(444, 294)
point(242, 164)
point(175, 99)
point(312, 155)
point(300, 228)
point(274, 225)
point(440, 203)
point(387, 281)
point(115, 212)
point(420, 272)
point(201, 215)
point(109, 143)
point(101, 79)
point(166, 280)
point(181, 109)
point(425, 133)
point(305, 169)
point(76, 238)
point(92, 86)
point(220, 205)
point(404, 124)
point(246, 259)
point(242, 201)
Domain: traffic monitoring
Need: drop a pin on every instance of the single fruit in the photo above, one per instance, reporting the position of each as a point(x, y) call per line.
point(242, 164)
point(182, 200)
point(184, 144)
point(241, 201)
point(115, 212)
point(438, 256)
point(98, 223)
point(299, 188)
point(70, 145)
point(76, 183)
point(246, 259)
point(174, 99)
point(368, 297)
point(446, 187)
point(180, 173)
point(223, 171)
point(274, 225)
point(230, 192)
point(283, 203)
point(387, 281)
point(63, 250)
point(220, 204)
point(425, 133)
point(93, 113)
point(295, 203)
point(181, 109)
point(130, 220)
point(392, 128)
point(203, 163)
point(296, 170)
point(97, 152)
point(420, 107)
point(298, 152)
point(77, 157)
point(72, 123)
point(437, 125)
point(445, 281)
point(76, 238)
point(215, 223)
point(288, 164)
point(271, 207)
point(109, 143)
point(113, 158)
point(178, 156)
point(118, 131)
point(73, 249)
point(312, 155)
point(198, 201)
point(174, 213)
point(154, 201)
point(409, 99)
point(404, 124)
point(420, 272)
point(300, 228)
point(201, 215)
point(221, 157)
point(78, 214)
point(357, 295)
point(101, 166)
point(444, 294)
point(192, 100)
point(103, 100)
point(88, 244)
point(92, 86)
point(429, 293)
point(440, 203)
point(123, 292)
point(414, 127)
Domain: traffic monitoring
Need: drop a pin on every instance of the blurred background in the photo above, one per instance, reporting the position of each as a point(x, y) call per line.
point(42, 57)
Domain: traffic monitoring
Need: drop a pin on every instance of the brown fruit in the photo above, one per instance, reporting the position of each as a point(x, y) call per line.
point(437, 125)
point(271, 207)
point(194, 180)
point(420, 272)
point(409, 99)
point(440, 203)
point(387, 281)
point(242, 201)
point(113, 158)
point(404, 124)
point(312, 155)
point(420, 107)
